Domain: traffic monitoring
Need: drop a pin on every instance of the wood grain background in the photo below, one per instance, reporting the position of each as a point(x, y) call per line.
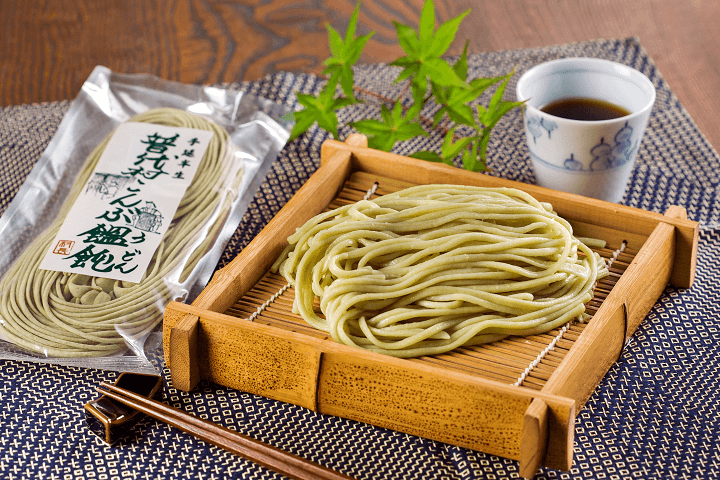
point(49, 47)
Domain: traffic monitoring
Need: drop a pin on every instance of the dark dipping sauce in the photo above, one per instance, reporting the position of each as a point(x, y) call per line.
point(586, 109)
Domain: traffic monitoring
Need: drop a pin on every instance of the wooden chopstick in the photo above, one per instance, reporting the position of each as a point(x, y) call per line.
point(247, 447)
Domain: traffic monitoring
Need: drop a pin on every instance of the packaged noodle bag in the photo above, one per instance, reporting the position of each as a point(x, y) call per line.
point(129, 207)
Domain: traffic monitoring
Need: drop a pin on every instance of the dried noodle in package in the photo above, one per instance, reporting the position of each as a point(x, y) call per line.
point(167, 216)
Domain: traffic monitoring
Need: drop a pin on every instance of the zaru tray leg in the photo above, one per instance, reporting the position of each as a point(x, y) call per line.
point(534, 440)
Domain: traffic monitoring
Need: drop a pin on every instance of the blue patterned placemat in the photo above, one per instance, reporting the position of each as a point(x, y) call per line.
point(655, 415)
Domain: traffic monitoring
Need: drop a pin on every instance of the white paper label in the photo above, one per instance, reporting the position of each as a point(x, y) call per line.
point(119, 219)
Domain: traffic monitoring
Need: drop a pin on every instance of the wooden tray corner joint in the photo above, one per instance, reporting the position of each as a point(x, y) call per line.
point(483, 398)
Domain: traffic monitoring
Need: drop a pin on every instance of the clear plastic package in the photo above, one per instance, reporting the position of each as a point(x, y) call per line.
point(93, 321)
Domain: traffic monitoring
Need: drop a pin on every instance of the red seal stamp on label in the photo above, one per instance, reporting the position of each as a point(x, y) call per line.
point(63, 247)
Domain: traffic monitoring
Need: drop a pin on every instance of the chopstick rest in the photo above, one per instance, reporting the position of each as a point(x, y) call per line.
point(110, 419)
point(247, 447)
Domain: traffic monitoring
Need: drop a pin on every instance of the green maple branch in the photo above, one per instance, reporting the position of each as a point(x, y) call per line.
point(428, 76)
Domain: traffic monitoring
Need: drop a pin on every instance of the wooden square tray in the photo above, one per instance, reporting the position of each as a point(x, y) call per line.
point(515, 398)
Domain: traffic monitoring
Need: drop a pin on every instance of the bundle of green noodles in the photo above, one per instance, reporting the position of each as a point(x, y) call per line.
point(431, 268)
point(73, 315)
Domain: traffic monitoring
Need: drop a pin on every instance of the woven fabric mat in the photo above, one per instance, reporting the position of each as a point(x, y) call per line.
point(655, 414)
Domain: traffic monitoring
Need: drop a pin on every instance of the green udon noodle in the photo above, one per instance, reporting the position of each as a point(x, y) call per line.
point(431, 268)
point(71, 315)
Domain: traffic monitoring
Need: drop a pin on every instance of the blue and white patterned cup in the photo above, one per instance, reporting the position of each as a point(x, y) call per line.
point(592, 158)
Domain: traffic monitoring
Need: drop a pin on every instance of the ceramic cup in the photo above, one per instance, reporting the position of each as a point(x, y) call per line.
point(592, 158)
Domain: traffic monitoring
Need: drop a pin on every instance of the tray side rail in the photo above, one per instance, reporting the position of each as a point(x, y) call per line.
point(422, 400)
point(635, 293)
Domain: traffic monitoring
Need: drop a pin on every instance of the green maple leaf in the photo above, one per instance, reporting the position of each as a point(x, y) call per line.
point(394, 127)
point(424, 50)
point(428, 155)
point(471, 160)
point(450, 149)
point(321, 109)
point(455, 101)
point(345, 53)
point(496, 109)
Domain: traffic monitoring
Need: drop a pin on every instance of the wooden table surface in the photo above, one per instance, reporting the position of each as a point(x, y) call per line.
point(49, 47)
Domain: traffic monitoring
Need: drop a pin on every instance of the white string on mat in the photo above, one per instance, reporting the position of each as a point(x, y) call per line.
point(262, 307)
point(542, 354)
point(617, 253)
point(371, 191)
point(564, 329)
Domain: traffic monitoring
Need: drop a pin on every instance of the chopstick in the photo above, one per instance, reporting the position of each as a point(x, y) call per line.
point(247, 447)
